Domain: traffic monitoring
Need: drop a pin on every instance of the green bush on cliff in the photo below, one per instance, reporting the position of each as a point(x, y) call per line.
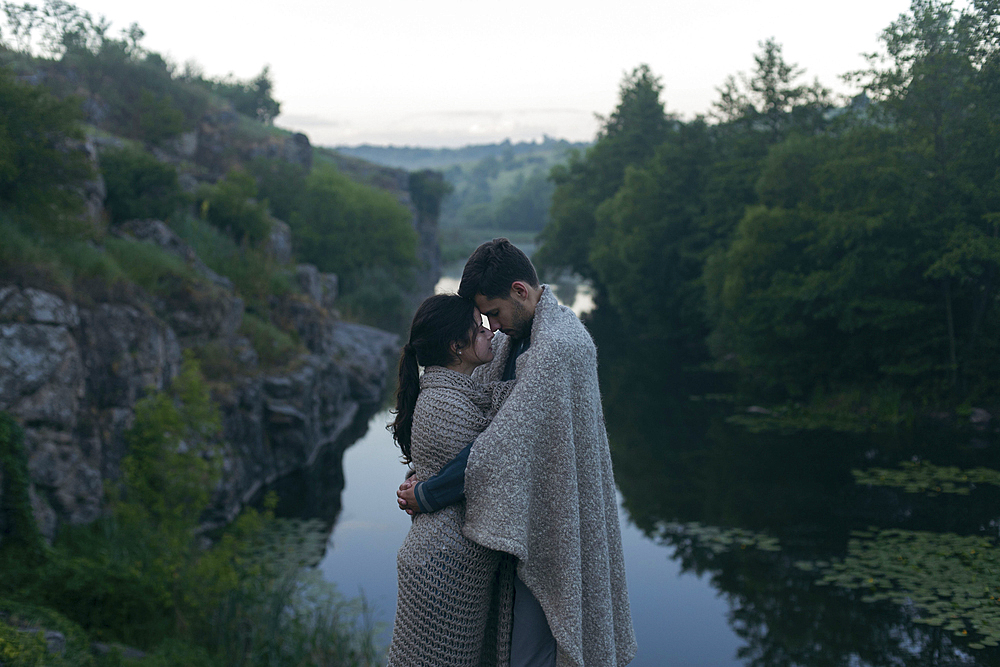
point(23, 642)
point(18, 532)
point(355, 231)
point(231, 206)
point(139, 186)
point(41, 156)
point(256, 277)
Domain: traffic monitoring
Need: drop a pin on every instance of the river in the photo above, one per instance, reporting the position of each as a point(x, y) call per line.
point(809, 548)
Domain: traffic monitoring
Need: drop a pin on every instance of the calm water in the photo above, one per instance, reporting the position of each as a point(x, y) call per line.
point(676, 614)
point(761, 550)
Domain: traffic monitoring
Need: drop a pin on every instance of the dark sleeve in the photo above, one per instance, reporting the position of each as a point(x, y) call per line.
point(445, 488)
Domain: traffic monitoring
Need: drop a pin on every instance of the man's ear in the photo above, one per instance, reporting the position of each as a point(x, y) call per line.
point(519, 290)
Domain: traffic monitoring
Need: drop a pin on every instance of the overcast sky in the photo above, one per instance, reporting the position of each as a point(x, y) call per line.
point(454, 72)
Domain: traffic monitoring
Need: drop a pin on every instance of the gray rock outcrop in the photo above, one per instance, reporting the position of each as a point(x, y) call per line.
point(71, 374)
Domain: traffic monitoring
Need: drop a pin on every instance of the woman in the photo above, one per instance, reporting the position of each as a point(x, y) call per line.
point(454, 602)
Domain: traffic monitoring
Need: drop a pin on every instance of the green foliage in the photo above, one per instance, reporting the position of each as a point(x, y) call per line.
point(820, 254)
point(649, 242)
point(23, 643)
point(251, 98)
point(41, 154)
point(349, 229)
point(142, 576)
point(148, 265)
point(376, 298)
point(231, 206)
point(274, 347)
point(256, 277)
point(139, 186)
point(427, 189)
point(158, 118)
point(18, 532)
point(168, 472)
point(629, 136)
point(281, 183)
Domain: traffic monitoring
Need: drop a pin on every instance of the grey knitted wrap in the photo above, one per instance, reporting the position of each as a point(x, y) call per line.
point(455, 597)
point(539, 485)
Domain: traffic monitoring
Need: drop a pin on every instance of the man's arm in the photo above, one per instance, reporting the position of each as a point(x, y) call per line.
point(443, 489)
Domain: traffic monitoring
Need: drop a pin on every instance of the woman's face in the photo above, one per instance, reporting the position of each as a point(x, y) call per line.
point(480, 349)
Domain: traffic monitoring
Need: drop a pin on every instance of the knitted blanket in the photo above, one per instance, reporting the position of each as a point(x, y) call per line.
point(539, 486)
point(455, 597)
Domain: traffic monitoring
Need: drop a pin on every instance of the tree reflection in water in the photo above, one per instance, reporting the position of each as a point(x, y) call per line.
point(766, 517)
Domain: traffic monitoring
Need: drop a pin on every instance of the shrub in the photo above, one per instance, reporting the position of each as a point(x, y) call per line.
point(255, 277)
point(230, 206)
point(346, 228)
point(40, 158)
point(274, 347)
point(139, 186)
point(28, 649)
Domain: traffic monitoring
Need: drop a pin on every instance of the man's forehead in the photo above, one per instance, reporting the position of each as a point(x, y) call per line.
point(486, 305)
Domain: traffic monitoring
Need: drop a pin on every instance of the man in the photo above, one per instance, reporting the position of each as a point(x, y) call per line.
point(538, 481)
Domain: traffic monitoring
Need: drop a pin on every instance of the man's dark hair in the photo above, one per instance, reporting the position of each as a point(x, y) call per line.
point(493, 267)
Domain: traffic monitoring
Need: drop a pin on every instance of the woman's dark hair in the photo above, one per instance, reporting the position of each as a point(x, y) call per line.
point(492, 268)
point(440, 320)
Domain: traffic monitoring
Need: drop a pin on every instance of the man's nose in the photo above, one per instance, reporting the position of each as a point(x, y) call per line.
point(494, 323)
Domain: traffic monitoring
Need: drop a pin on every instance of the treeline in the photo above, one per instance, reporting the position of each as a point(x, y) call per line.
point(495, 188)
point(413, 158)
point(832, 252)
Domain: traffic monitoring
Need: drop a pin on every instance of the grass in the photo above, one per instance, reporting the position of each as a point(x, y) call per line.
point(254, 276)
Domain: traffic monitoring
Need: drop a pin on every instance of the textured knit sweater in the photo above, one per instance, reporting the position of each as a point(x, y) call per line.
point(539, 486)
point(455, 597)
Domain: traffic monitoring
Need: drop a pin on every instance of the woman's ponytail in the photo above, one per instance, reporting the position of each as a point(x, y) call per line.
point(406, 400)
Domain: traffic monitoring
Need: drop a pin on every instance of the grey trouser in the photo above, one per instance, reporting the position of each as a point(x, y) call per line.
point(531, 642)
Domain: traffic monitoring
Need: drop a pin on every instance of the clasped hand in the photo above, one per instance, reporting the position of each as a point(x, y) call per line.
point(406, 496)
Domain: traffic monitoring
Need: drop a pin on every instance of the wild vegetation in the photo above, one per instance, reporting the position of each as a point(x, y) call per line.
point(828, 254)
point(141, 576)
point(144, 575)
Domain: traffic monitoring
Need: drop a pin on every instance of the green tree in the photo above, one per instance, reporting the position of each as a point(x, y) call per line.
point(648, 247)
point(936, 82)
point(251, 98)
point(347, 228)
point(42, 161)
point(629, 136)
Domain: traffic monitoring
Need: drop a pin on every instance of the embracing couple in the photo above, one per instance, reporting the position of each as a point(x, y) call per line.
point(514, 556)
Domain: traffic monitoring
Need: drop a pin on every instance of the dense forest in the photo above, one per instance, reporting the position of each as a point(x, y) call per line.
point(837, 255)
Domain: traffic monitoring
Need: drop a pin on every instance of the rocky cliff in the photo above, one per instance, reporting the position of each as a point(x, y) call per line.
point(72, 371)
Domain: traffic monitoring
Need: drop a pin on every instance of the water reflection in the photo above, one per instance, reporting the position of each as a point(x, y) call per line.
point(749, 510)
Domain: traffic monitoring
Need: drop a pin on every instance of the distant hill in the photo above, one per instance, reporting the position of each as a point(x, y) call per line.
point(413, 158)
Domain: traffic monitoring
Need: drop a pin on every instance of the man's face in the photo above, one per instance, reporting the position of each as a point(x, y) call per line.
point(506, 314)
